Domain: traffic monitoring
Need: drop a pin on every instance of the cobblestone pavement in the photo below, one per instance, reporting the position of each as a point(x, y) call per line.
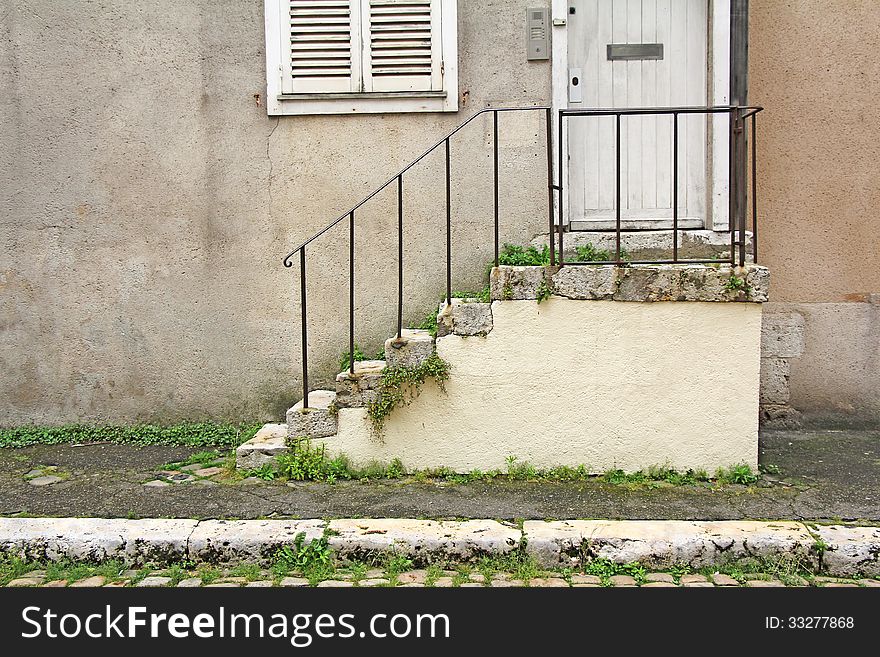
point(432, 577)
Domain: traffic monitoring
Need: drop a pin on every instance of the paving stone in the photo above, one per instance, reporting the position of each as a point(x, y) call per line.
point(477, 577)
point(660, 577)
point(373, 573)
point(25, 581)
point(294, 581)
point(230, 541)
point(153, 582)
point(232, 580)
point(259, 584)
point(873, 583)
point(97, 580)
point(190, 583)
point(46, 480)
point(690, 579)
point(586, 586)
point(373, 581)
point(471, 585)
point(412, 585)
point(129, 573)
point(157, 483)
point(208, 472)
point(33, 473)
point(655, 544)
point(116, 585)
point(223, 585)
point(319, 420)
point(721, 579)
point(852, 551)
point(764, 583)
point(192, 467)
point(361, 387)
point(697, 585)
point(412, 577)
point(548, 582)
point(658, 585)
point(181, 478)
point(507, 583)
point(443, 582)
point(412, 349)
point(35, 574)
point(269, 442)
point(622, 580)
point(839, 585)
point(591, 580)
point(55, 584)
point(334, 583)
point(462, 540)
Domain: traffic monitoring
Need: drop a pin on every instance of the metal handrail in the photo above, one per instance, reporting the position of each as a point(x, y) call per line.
point(287, 259)
point(737, 114)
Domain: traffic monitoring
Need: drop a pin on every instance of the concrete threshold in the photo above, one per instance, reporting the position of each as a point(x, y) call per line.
point(839, 550)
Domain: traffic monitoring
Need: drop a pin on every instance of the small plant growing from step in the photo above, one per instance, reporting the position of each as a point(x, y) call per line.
point(400, 385)
point(738, 285)
point(543, 292)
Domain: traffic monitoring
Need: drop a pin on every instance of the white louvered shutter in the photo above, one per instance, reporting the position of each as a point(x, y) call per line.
point(403, 49)
point(322, 47)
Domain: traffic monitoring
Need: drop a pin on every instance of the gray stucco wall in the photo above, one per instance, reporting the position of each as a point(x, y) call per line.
point(147, 201)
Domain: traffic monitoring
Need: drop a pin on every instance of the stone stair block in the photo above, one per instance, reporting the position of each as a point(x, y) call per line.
point(411, 349)
point(361, 387)
point(509, 283)
point(268, 443)
point(464, 317)
point(318, 420)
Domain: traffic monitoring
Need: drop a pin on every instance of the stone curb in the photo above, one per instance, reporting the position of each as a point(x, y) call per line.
point(837, 550)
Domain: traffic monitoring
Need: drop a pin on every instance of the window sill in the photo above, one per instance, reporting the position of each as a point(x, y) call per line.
point(303, 104)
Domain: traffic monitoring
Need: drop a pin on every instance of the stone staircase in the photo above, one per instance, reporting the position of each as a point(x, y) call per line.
point(510, 360)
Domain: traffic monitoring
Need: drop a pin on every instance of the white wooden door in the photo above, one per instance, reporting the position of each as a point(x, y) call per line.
point(679, 78)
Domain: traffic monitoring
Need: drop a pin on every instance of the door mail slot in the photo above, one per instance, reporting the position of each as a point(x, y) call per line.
point(632, 51)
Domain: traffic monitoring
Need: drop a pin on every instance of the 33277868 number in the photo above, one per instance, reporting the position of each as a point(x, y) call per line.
point(810, 622)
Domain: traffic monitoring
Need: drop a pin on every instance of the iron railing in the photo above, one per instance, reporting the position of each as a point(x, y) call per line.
point(738, 138)
point(738, 116)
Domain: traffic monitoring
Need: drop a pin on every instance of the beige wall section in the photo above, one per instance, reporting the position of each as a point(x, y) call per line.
point(606, 384)
point(146, 201)
point(814, 67)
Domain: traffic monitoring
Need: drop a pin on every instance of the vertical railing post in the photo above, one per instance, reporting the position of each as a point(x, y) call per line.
point(449, 227)
point(351, 292)
point(742, 186)
point(495, 177)
point(617, 188)
point(561, 176)
point(731, 186)
point(675, 187)
point(754, 190)
point(548, 116)
point(399, 256)
point(305, 337)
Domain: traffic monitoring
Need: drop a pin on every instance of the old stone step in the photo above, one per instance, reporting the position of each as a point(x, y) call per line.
point(358, 388)
point(411, 349)
point(318, 420)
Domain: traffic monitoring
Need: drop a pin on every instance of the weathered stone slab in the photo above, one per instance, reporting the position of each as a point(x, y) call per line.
point(782, 335)
point(850, 551)
point(464, 317)
point(424, 541)
point(508, 283)
point(412, 349)
point(319, 420)
point(96, 539)
point(775, 376)
point(586, 282)
point(361, 387)
point(269, 442)
point(661, 544)
point(227, 541)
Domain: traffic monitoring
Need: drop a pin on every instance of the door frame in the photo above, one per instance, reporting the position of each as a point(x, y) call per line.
point(718, 57)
